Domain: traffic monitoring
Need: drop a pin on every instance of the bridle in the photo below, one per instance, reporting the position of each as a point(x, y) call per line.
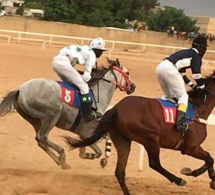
point(207, 94)
point(129, 87)
point(118, 83)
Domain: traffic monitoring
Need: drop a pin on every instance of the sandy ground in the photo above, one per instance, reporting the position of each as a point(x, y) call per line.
point(27, 170)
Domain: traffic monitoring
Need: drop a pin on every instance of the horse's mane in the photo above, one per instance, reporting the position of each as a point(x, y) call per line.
point(97, 74)
point(209, 79)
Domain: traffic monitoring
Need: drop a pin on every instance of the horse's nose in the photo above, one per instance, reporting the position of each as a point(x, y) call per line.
point(131, 89)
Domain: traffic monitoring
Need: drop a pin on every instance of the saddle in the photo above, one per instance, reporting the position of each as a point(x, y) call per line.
point(71, 96)
point(170, 110)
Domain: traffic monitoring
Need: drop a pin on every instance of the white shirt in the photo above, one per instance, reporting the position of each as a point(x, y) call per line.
point(84, 54)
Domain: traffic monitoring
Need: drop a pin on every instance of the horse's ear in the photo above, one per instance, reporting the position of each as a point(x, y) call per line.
point(118, 62)
point(111, 62)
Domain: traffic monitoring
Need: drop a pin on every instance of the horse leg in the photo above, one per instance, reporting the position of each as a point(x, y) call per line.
point(211, 174)
point(123, 146)
point(84, 133)
point(201, 154)
point(98, 152)
point(85, 155)
point(61, 152)
point(49, 152)
point(42, 131)
point(153, 151)
point(42, 138)
point(108, 144)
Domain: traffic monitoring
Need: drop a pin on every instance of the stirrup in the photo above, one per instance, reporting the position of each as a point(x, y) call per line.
point(182, 127)
point(98, 115)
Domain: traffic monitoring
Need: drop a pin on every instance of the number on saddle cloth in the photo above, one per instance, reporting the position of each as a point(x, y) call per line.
point(71, 94)
point(170, 111)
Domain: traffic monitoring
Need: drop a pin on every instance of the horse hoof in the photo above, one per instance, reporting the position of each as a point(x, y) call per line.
point(186, 171)
point(212, 185)
point(103, 162)
point(182, 183)
point(65, 167)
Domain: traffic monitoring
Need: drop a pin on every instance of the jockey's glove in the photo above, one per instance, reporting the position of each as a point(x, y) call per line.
point(86, 76)
point(200, 90)
point(195, 87)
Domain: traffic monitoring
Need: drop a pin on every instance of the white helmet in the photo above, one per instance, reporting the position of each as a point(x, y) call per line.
point(98, 43)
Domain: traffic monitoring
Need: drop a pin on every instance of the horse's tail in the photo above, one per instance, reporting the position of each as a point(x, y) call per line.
point(106, 123)
point(8, 102)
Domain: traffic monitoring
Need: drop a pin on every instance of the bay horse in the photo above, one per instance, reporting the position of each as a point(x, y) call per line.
point(39, 101)
point(140, 119)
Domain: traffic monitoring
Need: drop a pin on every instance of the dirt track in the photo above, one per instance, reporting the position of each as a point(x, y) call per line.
point(26, 170)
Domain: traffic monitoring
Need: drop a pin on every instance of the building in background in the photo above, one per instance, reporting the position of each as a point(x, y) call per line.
point(10, 6)
point(36, 13)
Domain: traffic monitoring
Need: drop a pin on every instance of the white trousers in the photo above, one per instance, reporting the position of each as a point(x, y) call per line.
point(62, 66)
point(171, 82)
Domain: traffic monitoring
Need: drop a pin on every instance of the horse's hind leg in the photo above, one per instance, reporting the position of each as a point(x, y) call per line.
point(85, 132)
point(153, 151)
point(123, 146)
point(201, 154)
point(42, 138)
point(38, 126)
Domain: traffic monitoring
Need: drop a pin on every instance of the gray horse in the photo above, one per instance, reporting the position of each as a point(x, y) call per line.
point(39, 101)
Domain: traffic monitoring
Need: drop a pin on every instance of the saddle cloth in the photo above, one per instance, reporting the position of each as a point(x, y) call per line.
point(170, 111)
point(71, 94)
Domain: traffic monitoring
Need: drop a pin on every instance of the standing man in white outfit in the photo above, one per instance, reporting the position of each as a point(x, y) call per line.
point(171, 74)
point(63, 64)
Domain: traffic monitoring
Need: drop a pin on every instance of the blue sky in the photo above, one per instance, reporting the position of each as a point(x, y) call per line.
point(192, 7)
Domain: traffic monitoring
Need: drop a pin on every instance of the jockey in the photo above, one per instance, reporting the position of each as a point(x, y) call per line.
point(171, 74)
point(63, 64)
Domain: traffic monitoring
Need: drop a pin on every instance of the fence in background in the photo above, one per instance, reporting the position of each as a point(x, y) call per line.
point(51, 39)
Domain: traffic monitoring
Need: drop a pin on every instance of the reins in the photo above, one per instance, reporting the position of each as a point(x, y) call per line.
point(119, 84)
point(116, 83)
point(201, 120)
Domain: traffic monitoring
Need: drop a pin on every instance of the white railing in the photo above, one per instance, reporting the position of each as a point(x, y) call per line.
point(54, 39)
point(7, 37)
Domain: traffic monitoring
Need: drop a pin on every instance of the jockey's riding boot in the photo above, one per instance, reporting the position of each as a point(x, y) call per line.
point(181, 125)
point(87, 112)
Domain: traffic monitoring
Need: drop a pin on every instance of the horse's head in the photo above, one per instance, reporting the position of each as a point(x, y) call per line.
point(200, 96)
point(122, 77)
point(119, 73)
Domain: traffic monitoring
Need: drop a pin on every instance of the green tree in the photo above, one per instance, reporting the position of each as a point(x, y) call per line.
point(92, 12)
point(57, 10)
point(170, 16)
point(96, 12)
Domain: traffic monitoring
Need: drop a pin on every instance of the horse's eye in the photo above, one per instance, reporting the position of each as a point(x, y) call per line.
point(127, 73)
